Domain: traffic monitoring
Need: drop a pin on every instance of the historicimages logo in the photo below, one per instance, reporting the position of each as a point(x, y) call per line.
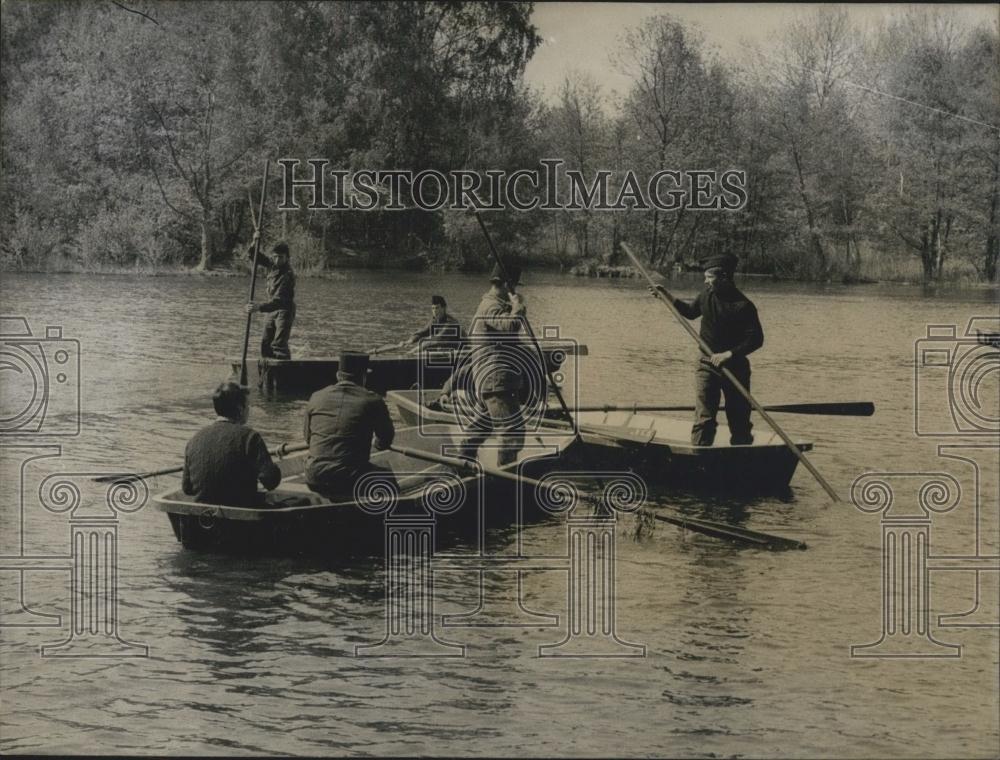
point(956, 395)
point(39, 381)
point(39, 402)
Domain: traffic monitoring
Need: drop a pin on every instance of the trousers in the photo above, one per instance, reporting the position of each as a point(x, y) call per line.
point(709, 383)
point(500, 414)
point(277, 330)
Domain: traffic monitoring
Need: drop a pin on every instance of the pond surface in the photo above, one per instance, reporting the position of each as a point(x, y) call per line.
point(747, 652)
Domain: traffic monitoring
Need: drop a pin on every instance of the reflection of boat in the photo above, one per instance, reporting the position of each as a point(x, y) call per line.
point(294, 516)
point(385, 372)
point(656, 446)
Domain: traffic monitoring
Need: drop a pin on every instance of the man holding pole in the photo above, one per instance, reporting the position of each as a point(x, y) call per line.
point(731, 329)
point(280, 305)
point(492, 363)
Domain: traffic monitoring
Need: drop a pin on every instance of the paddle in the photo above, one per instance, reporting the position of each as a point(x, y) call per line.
point(527, 325)
point(390, 347)
point(278, 451)
point(611, 432)
point(731, 377)
point(835, 408)
point(258, 221)
point(709, 528)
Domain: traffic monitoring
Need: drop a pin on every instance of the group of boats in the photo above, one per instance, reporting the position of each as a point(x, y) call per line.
point(653, 445)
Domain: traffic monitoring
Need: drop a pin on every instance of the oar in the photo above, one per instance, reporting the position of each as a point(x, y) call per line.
point(732, 378)
point(835, 408)
point(258, 221)
point(383, 349)
point(277, 451)
point(527, 326)
point(611, 432)
point(714, 529)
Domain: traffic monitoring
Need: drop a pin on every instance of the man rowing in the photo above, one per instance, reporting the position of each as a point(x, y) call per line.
point(731, 328)
point(224, 460)
point(491, 369)
point(340, 421)
point(280, 306)
point(443, 330)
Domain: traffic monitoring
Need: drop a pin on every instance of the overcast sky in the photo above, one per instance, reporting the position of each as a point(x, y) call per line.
point(582, 35)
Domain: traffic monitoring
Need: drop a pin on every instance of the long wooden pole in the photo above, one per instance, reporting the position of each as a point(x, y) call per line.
point(834, 408)
point(278, 451)
point(714, 529)
point(527, 328)
point(259, 222)
point(731, 377)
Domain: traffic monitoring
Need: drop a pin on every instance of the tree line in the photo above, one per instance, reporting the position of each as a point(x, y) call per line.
point(133, 134)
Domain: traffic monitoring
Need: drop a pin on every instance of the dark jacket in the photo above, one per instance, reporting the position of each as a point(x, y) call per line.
point(447, 332)
point(223, 462)
point(494, 351)
point(280, 286)
point(729, 320)
point(339, 423)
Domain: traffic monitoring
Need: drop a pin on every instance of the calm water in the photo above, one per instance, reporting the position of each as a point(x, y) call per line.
point(747, 652)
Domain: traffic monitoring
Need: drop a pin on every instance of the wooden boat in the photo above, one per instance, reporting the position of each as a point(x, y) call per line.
point(293, 516)
point(385, 372)
point(656, 446)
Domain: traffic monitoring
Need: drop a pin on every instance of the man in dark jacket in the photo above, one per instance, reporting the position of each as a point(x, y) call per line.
point(443, 331)
point(731, 329)
point(224, 460)
point(492, 364)
point(280, 305)
point(340, 421)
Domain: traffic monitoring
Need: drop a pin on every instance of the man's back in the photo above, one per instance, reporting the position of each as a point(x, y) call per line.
point(339, 423)
point(222, 463)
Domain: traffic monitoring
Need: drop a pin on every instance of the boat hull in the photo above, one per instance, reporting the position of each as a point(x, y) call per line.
point(658, 448)
point(385, 373)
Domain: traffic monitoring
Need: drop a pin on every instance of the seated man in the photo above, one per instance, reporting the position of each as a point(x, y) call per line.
point(443, 331)
point(340, 421)
point(224, 460)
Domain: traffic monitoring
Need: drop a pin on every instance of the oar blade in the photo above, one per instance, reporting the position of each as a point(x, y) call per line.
point(732, 533)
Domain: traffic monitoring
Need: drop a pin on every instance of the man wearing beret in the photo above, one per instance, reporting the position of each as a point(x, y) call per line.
point(224, 460)
point(731, 329)
point(491, 367)
point(280, 305)
point(340, 421)
point(443, 331)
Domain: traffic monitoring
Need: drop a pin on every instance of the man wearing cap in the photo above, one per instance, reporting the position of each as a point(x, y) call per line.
point(443, 330)
point(280, 305)
point(492, 364)
point(340, 421)
point(731, 329)
point(224, 460)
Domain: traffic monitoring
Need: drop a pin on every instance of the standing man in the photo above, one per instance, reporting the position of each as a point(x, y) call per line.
point(493, 364)
point(224, 460)
point(731, 329)
point(340, 421)
point(280, 304)
point(443, 329)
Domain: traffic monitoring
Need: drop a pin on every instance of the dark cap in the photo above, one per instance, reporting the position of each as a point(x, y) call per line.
point(280, 247)
point(352, 365)
point(229, 399)
point(724, 261)
point(438, 301)
point(513, 272)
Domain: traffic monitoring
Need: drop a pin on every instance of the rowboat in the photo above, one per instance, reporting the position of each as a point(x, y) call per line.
point(656, 446)
point(293, 516)
point(429, 369)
